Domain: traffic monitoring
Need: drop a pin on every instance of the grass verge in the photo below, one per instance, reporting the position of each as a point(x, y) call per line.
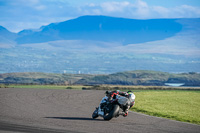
point(43, 86)
point(177, 105)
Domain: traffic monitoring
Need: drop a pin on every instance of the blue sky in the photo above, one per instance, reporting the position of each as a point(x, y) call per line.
point(17, 15)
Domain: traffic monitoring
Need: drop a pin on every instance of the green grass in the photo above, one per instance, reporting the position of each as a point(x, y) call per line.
point(177, 105)
point(44, 86)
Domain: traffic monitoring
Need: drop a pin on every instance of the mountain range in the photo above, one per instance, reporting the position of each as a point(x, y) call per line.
point(102, 28)
point(102, 44)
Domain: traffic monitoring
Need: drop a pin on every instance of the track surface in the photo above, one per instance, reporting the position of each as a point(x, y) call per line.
point(60, 111)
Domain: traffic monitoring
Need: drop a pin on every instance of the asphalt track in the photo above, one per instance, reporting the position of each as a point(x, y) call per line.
point(69, 111)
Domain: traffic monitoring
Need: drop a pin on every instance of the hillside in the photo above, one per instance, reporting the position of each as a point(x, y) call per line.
point(40, 78)
point(150, 78)
point(143, 78)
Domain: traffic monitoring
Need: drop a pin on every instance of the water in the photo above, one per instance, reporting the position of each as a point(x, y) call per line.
point(174, 84)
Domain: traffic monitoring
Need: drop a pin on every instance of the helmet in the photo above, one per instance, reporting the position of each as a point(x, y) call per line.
point(129, 92)
point(131, 95)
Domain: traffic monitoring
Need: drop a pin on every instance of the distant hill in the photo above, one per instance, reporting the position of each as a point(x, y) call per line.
point(150, 78)
point(143, 78)
point(103, 28)
point(40, 78)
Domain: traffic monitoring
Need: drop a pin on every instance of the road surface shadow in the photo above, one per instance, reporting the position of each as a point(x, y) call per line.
point(18, 128)
point(75, 118)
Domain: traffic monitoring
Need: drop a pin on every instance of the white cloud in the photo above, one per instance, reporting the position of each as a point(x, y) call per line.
point(29, 14)
point(183, 11)
point(114, 6)
point(40, 7)
point(142, 9)
point(139, 9)
point(159, 11)
point(20, 14)
point(186, 11)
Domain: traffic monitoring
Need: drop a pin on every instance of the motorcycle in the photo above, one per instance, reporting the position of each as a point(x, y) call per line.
point(111, 107)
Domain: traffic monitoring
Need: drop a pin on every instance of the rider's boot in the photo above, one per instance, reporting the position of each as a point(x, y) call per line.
point(126, 111)
point(125, 114)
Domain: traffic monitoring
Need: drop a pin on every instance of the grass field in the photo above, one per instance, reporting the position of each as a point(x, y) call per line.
point(43, 86)
point(177, 105)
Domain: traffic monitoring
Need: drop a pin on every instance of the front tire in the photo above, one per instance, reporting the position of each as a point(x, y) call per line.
point(113, 113)
point(95, 114)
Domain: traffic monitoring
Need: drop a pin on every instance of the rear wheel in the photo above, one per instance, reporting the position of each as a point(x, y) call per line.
point(95, 113)
point(113, 113)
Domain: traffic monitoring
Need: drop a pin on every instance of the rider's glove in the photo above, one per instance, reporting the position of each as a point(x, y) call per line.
point(126, 94)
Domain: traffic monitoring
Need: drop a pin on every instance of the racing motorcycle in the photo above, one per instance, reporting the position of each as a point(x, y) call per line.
point(111, 107)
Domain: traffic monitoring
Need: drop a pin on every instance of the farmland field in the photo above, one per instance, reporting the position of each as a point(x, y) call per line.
point(177, 105)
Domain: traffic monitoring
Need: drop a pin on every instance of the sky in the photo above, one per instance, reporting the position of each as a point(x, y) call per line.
point(17, 15)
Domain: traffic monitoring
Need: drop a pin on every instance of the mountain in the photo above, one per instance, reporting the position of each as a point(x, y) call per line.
point(7, 37)
point(101, 44)
point(103, 28)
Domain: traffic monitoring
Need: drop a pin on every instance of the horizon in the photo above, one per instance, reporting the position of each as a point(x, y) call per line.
point(32, 14)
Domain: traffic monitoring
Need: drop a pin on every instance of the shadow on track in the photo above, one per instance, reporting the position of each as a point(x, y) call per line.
point(8, 127)
point(75, 118)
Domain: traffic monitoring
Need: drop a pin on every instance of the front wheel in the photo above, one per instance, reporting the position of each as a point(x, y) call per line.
point(113, 113)
point(95, 113)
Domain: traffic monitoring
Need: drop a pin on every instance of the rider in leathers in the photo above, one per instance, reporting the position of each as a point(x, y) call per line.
point(113, 95)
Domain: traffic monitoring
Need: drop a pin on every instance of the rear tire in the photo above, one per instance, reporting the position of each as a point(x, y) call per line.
point(95, 113)
point(113, 113)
